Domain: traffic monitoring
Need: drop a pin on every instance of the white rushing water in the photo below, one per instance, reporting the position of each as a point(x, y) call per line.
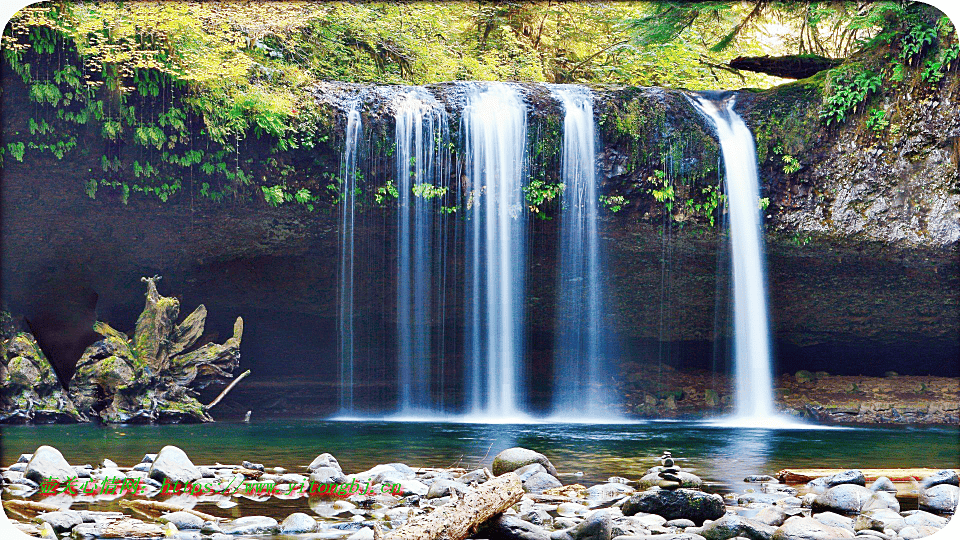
point(494, 122)
point(348, 175)
point(421, 128)
point(753, 371)
point(577, 357)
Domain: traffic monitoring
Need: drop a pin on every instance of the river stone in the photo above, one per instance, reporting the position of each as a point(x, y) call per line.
point(297, 523)
point(762, 498)
point(687, 480)
point(608, 491)
point(597, 526)
point(883, 484)
point(680, 523)
point(886, 516)
point(676, 504)
point(538, 517)
point(512, 459)
point(478, 476)
point(413, 487)
point(679, 536)
point(529, 470)
point(925, 519)
point(443, 488)
point(732, 525)
point(61, 521)
point(512, 528)
point(940, 499)
point(251, 525)
point(540, 482)
point(804, 528)
point(835, 520)
point(942, 477)
point(182, 520)
point(854, 477)
point(771, 515)
point(852, 499)
point(757, 478)
point(390, 477)
point(46, 463)
point(326, 475)
point(173, 464)
point(869, 534)
point(324, 460)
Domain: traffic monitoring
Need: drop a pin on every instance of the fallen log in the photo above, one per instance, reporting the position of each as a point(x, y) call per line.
point(28, 509)
point(155, 509)
point(459, 519)
point(799, 66)
point(802, 476)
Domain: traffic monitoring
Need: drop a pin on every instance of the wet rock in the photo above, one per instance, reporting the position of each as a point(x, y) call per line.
point(540, 482)
point(512, 459)
point(835, 520)
point(183, 520)
point(925, 519)
point(252, 525)
point(46, 463)
point(298, 523)
point(61, 521)
point(687, 480)
point(538, 517)
point(771, 515)
point(508, 527)
point(597, 526)
point(443, 488)
point(732, 525)
point(804, 528)
point(325, 475)
point(940, 499)
point(174, 465)
point(883, 484)
point(478, 476)
point(676, 504)
point(680, 523)
point(940, 477)
point(854, 477)
point(852, 499)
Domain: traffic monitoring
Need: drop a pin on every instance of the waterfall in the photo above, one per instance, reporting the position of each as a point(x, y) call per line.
point(421, 130)
point(577, 356)
point(348, 175)
point(753, 372)
point(494, 126)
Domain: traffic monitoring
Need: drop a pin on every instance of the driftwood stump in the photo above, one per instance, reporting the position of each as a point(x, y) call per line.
point(458, 519)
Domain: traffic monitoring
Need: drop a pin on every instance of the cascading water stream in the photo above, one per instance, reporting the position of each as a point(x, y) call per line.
point(753, 371)
point(348, 168)
point(494, 122)
point(421, 127)
point(577, 357)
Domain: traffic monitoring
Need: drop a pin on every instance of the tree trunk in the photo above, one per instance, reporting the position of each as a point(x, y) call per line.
point(458, 519)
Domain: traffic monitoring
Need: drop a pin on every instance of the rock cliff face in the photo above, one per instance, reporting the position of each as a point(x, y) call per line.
point(862, 233)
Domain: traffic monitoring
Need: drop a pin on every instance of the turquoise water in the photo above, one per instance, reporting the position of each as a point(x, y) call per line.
point(585, 454)
point(588, 453)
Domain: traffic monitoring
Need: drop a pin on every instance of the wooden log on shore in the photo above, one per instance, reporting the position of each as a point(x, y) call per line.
point(460, 518)
point(155, 509)
point(28, 509)
point(802, 476)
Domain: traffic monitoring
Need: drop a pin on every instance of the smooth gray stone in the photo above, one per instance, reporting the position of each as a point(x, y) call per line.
point(298, 523)
point(771, 515)
point(174, 465)
point(945, 476)
point(443, 488)
point(940, 499)
point(835, 520)
point(251, 525)
point(325, 460)
point(540, 482)
point(512, 459)
point(680, 523)
point(182, 520)
point(883, 484)
point(597, 526)
point(804, 528)
point(732, 525)
point(696, 506)
point(48, 463)
point(61, 521)
point(508, 527)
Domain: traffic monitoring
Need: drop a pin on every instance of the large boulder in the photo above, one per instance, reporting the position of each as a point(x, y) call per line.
point(732, 526)
point(946, 476)
point(48, 463)
point(174, 465)
point(597, 526)
point(804, 528)
point(512, 528)
point(512, 459)
point(940, 499)
point(696, 506)
point(853, 499)
point(324, 460)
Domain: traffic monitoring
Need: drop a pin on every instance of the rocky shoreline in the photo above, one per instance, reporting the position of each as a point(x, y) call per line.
point(667, 503)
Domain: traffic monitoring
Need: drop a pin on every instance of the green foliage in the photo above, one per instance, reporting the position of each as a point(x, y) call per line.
point(428, 191)
point(877, 120)
point(275, 196)
point(707, 208)
point(664, 192)
point(539, 192)
point(849, 88)
point(764, 203)
point(17, 150)
point(613, 203)
point(387, 191)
